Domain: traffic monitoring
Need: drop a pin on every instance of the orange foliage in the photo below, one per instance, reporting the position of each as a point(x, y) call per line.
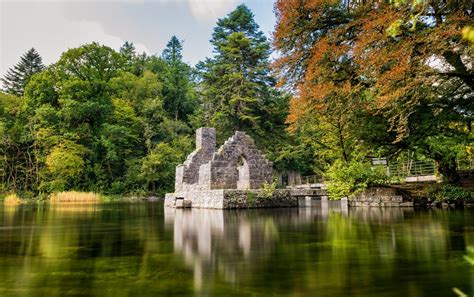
point(314, 43)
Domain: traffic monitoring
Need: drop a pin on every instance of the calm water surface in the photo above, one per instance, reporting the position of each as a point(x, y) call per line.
point(146, 250)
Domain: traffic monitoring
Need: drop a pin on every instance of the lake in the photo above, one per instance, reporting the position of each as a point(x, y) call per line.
point(142, 249)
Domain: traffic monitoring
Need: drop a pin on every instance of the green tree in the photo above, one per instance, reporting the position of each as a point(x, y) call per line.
point(398, 70)
point(238, 91)
point(65, 164)
point(16, 78)
point(68, 107)
point(157, 170)
point(128, 50)
point(133, 62)
point(12, 148)
point(178, 90)
point(94, 121)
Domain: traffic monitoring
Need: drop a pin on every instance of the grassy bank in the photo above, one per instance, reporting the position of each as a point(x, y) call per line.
point(70, 197)
point(12, 199)
point(74, 197)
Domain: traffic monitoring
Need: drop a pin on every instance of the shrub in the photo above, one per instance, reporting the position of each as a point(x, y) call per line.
point(251, 198)
point(12, 199)
point(268, 189)
point(452, 194)
point(349, 179)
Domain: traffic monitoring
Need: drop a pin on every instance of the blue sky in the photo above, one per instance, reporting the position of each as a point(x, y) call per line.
point(54, 26)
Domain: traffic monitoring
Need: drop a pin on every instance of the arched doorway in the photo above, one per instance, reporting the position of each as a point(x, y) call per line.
point(243, 182)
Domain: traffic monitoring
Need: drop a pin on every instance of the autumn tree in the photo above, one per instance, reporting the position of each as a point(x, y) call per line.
point(405, 62)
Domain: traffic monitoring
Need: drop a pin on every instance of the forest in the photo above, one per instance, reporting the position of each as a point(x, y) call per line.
point(350, 81)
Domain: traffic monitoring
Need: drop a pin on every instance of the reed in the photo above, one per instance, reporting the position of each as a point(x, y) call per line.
point(12, 199)
point(74, 197)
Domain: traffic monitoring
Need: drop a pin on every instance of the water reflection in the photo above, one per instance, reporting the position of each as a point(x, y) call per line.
point(145, 250)
point(317, 247)
point(87, 250)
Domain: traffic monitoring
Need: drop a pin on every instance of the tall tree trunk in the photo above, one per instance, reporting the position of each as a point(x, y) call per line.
point(341, 142)
point(447, 167)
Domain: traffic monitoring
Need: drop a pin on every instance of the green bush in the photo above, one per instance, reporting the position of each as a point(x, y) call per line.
point(452, 194)
point(252, 197)
point(268, 189)
point(351, 178)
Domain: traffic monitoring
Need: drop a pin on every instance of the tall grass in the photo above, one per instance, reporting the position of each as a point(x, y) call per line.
point(74, 197)
point(12, 199)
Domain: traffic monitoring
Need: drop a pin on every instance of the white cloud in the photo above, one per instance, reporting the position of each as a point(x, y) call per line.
point(53, 26)
point(210, 10)
point(47, 29)
point(87, 31)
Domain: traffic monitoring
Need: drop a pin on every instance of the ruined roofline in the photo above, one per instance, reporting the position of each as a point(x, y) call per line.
point(206, 168)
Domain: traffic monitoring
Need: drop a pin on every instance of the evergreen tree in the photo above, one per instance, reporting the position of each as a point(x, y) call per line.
point(178, 92)
point(128, 50)
point(238, 91)
point(17, 77)
point(133, 62)
point(172, 52)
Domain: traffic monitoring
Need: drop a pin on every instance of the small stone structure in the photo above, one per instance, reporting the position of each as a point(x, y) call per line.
point(227, 178)
point(380, 197)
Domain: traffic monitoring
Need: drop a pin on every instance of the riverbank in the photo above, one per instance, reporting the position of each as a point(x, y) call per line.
point(433, 194)
point(420, 195)
point(74, 197)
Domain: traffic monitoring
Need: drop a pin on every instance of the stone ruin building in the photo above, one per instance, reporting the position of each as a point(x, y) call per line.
point(238, 164)
point(222, 178)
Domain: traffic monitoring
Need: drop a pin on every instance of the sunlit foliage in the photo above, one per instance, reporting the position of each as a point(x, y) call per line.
point(401, 63)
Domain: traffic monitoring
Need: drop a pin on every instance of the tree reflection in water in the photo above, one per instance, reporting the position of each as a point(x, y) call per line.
point(312, 247)
point(145, 250)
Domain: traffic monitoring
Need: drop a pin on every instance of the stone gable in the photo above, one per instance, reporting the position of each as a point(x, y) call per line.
point(237, 164)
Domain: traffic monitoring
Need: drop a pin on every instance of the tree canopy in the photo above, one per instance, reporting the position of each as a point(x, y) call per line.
point(402, 66)
point(238, 91)
point(352, 80)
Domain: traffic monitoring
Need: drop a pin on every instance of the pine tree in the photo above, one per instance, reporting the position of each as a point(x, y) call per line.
point(15, 80)
point(172, 52)
point(133, 62)
point(178, 95)
point(238, 91)
point(128, 50)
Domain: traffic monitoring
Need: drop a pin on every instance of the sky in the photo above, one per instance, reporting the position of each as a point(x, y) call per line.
point(53, 26)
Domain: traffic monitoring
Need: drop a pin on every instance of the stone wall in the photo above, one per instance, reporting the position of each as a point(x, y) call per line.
point(230, 199)
point(187, 174)
point(380, 197)
point(225, 171)
point(258, 199)
point(227, 178)
point(238, 164)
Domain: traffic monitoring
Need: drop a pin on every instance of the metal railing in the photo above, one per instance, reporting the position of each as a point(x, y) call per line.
point(303, 180)
point(412, 168)
point(423, 168)
point(404, 169)
point(311, 179)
